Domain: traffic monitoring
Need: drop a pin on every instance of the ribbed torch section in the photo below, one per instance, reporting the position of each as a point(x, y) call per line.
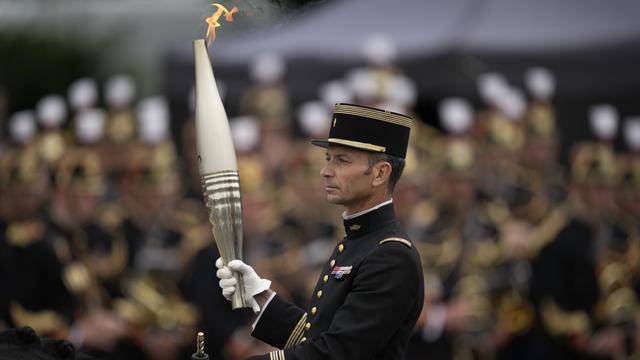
point(222, 196)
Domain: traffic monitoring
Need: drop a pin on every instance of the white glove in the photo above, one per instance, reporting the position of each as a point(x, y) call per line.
point(253, 284)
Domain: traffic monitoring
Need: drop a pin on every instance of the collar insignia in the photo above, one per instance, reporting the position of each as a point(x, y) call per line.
point(354, 227)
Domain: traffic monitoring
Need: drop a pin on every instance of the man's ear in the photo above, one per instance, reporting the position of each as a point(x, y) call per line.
point(381, 173)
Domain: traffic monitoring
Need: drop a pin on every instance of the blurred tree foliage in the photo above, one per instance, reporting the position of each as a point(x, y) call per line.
point(33, 65)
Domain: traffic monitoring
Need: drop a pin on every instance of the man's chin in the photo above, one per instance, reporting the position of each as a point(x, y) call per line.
point(332, 199)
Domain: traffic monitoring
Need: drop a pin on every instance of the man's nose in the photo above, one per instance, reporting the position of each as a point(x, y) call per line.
point(325, 171)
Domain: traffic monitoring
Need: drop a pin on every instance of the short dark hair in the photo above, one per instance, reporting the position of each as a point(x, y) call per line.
point(397, 166)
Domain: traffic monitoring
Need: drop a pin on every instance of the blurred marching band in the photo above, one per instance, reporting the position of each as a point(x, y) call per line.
point(104, 239)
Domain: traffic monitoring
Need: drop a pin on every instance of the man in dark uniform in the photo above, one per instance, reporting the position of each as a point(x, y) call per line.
point(370, 292)
point(33, 289)
point(568, 288)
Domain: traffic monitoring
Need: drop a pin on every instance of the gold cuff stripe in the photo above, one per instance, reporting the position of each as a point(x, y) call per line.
point(276, 355)
point(297, 331)
point(296, 334)
point(397, 239)
point(358, 144)
point(374, 114)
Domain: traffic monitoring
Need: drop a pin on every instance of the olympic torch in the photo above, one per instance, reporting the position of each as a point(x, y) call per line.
point(218, 165)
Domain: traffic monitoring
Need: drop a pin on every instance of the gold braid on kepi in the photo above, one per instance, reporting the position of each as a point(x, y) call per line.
point(149, 166)
point(541, 121)
point(20, 167)
point(457, 158)
point(593, 163)
point(628, 167)
point(80, 171)
point(506, 134)
point(369, 129)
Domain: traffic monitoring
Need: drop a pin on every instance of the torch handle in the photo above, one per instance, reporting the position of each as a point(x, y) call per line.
point(221, 192)
point(237, 300)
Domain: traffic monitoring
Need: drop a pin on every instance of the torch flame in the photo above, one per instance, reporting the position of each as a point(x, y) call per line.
point(213, 20)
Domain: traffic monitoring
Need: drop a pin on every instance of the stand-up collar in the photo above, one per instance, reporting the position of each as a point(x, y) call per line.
point(370, 221)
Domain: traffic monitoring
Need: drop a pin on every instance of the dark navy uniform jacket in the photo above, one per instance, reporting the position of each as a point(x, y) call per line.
point(365, 303)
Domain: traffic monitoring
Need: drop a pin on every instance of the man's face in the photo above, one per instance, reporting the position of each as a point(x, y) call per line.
point(346, 179)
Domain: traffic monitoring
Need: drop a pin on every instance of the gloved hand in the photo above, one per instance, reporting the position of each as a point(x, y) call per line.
point(253, 284)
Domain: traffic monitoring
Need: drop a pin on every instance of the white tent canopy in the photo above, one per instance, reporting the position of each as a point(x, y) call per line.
point(593, 47)
point(424, 27)
point(444, 44)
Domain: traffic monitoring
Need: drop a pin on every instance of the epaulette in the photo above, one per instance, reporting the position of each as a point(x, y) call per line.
point(560, 322)
point(397, 239)
point(24, 234)
point(43, 321)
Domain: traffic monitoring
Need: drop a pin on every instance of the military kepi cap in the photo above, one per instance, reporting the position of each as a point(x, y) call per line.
point(370, 129)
